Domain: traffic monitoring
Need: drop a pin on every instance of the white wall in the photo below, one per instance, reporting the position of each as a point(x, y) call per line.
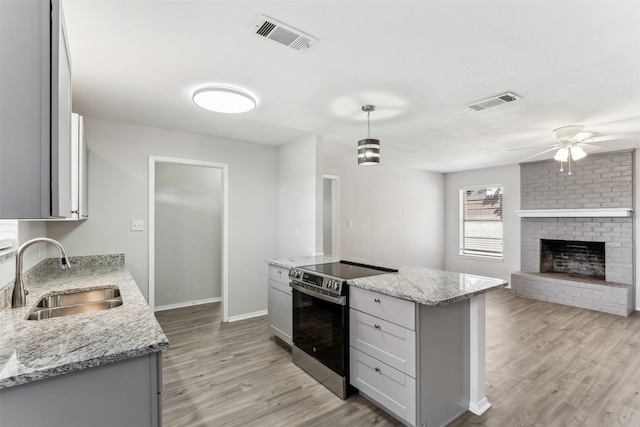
point(25, 230)
point(119, 188)
point(397, 214)
point(300, 198)
point(188, 233)
point(509, 178)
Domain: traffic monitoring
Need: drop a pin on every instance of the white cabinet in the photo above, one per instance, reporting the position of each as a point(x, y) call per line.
point(35, 111)
point(410, 359)
point(382, 341)
point(280, 309)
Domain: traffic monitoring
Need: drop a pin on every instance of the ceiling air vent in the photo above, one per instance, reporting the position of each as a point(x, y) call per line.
point(494, 101)
point(284, 34)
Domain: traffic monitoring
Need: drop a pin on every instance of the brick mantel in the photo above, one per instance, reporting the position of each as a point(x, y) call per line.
point(576, 213)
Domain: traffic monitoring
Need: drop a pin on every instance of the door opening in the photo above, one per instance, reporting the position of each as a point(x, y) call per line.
point(330, 215)
point(188, 233)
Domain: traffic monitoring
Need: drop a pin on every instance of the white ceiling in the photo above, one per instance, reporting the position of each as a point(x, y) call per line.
point(419, 62)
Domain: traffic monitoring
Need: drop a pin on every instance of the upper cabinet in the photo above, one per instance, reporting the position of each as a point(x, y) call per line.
point(35, 111)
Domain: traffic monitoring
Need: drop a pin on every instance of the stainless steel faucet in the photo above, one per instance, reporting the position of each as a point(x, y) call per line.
point(19, 297)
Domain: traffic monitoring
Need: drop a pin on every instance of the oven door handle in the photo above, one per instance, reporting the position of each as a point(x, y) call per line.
point(328, 298)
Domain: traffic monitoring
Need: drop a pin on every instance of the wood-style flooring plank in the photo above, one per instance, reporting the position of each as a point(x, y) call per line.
point(546, 365)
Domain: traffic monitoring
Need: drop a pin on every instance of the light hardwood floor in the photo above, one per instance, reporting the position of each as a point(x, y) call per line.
point(546, 365)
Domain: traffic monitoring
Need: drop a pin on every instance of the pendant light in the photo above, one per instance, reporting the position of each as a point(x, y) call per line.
point(368, 149)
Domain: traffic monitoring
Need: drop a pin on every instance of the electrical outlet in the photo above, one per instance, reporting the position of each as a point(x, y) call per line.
point(137, 225)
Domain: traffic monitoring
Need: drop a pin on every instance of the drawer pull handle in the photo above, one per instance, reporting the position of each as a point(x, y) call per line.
point(377, 369)
point(376, 300)
point(376, 326)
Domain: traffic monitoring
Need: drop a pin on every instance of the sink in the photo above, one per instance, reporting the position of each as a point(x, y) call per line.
point(78, 297)
point(89, 307)
point(76, 302)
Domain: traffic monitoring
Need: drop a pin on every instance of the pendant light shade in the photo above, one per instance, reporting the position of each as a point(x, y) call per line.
point(368, 152)
point(369, 148)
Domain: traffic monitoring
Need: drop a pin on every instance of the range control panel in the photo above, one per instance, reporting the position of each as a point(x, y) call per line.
point(330, 284)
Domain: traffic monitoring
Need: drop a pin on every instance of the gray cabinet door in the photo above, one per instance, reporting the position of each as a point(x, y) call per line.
point(35, 111)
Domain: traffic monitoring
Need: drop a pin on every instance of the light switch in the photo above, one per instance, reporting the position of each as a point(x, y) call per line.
point(137, 225)
point(297, 233)
point(349, 223)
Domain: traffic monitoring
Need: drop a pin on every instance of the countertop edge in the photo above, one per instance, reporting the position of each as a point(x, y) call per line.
point(44, 374)
point(435, 303)
point(417, 277)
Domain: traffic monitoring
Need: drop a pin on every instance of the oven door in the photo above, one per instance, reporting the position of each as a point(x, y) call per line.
point(320, 327)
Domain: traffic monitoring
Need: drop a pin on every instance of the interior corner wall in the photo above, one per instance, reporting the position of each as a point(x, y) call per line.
point(119, 192)
point(396, 214)
point(509, 178)
point(299, 198)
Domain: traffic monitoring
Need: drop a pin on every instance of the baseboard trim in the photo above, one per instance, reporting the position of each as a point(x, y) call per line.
point(247, 316)
point(188, 304)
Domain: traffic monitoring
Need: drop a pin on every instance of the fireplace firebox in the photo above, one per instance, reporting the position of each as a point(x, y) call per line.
point(575, 258)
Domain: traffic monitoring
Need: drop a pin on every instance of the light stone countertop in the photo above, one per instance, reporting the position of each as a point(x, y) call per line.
point(32, 350)
point(418, 284)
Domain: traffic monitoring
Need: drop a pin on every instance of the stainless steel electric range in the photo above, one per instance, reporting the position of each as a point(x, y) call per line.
point(321, 320)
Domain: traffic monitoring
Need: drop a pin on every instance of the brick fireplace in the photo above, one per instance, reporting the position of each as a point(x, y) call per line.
point(577, 233)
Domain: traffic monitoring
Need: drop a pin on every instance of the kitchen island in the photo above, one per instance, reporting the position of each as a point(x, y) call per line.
point(101, 368)
point(416, 339)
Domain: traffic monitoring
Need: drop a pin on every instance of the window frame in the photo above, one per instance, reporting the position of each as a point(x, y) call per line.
point(467, 253)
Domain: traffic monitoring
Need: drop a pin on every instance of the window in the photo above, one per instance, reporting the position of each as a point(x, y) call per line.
point(481, 221)
point(8, 237)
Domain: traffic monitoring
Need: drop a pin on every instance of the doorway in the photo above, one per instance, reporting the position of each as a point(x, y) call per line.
point(330, 215)
point(188, 233)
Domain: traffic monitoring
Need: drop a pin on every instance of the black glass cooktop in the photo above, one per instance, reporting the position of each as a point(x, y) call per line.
point(347, 270)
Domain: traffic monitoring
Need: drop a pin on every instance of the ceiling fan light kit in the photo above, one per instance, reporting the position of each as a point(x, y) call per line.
point(569, 138)
point(369, 148)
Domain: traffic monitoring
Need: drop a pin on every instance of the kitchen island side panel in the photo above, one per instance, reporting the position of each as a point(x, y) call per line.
point(444, 374)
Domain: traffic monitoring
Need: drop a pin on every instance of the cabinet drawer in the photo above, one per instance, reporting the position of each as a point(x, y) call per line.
point(391, 309)
point(388, 387)
point(390, 343)
point(279, 274)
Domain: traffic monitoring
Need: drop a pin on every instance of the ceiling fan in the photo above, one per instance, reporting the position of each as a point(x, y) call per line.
point(571, 143)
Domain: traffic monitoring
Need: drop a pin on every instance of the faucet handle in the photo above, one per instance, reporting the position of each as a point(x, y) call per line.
point(64, 263)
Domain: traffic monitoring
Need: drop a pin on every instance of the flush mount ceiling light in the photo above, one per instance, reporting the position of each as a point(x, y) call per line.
point(224, 99)
point(368, 149)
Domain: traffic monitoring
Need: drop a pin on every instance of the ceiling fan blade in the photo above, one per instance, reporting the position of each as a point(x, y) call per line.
point(567, 133)
point(589, 148)
point(581, 136)
point(533, 146)
point(539, 154)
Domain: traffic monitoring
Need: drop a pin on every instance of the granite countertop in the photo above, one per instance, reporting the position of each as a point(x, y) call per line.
point(418, 284)
point(33, 350)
